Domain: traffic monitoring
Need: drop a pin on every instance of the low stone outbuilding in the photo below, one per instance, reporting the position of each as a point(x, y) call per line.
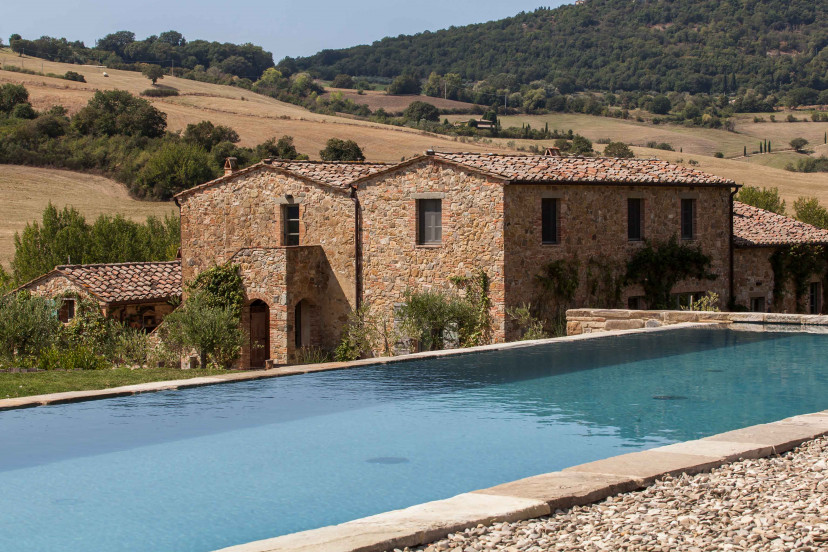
point(137, 294)
point(761, 239)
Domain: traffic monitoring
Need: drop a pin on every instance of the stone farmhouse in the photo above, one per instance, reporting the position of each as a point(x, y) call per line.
point(314, 240)
point(137, 294)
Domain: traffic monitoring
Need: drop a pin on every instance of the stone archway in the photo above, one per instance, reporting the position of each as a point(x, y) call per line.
point(259, 333)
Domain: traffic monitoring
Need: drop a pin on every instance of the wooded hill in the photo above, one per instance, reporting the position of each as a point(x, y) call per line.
point(697, 46)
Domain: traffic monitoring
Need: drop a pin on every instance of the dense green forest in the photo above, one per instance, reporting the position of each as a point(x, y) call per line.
point(696, 46)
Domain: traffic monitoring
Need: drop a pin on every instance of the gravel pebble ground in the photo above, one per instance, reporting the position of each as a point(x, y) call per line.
point(777, 503)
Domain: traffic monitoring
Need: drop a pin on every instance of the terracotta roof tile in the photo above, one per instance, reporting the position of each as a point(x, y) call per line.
point(541, 168)
point(123, 282)
point(753, 226)
point(339, 174)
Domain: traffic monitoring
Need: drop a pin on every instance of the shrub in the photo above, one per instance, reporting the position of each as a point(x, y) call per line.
point(28, 325)
point(404, 84)
point(342, 81)
point(765, 198)
point(718, 155)
point(312, 355)
point(213, 332)
point(528, 325)
point(77, 357)
point(798, 144)
point(74, 76)
point(159, 92)
point(23, 111)
point(341, 150)
point(660, 145)
point(11, 95)
point(709, 302)
point(418, 111)
point(174, 167)
point(618, 149)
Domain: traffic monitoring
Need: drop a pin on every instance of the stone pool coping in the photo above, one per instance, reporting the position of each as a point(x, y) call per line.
point(96, 394)
point(543, 494)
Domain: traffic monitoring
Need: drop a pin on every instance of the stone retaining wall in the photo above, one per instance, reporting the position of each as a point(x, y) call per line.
point(582, 321)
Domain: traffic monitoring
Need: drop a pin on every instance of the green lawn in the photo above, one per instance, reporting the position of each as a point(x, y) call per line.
point(39, 383)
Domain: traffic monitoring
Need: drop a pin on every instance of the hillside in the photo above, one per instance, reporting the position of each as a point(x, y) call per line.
point(25, 191)
point(255, 117)
point(664, 45)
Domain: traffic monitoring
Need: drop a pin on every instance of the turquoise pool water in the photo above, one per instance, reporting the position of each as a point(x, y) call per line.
point(201, 469)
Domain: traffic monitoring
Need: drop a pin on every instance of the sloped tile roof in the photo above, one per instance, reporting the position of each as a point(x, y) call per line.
point(542, 168)
point(126, 282)
point(337, 174)
point(753, 226)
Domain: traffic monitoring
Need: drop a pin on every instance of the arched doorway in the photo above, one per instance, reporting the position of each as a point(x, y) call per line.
point(259, 333)
point(302, 324)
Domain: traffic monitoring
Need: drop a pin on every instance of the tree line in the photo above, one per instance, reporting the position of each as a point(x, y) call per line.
point(702, 46)
point(170, 49)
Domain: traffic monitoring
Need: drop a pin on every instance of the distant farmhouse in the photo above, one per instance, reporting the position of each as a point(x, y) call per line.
point(313, 240)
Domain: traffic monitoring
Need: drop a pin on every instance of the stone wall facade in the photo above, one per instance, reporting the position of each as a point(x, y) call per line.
point(282, 278)
point(472, 235)
point(243, 219)
point(54, 284)
point(593, 233)
point(754, 278)
point(248, 212)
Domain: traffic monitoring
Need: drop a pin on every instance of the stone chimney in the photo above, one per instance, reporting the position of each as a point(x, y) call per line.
point(552, 152)
point(231, 165)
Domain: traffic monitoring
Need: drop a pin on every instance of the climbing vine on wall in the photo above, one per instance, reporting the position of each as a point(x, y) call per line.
point(659, 267)
point(223, 286)
point(605, 283)
point(796, 263)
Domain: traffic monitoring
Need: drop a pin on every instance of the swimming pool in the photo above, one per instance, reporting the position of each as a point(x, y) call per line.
point(205, 468)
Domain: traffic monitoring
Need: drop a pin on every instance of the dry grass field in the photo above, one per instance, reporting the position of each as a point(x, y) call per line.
point(791, 184)
point(376, 99)
point(25, 191)
point(255, 117)
point(699, 141)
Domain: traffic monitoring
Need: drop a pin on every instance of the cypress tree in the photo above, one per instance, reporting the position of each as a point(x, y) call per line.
point(744, 153)
point(769, 146)
point(761, 147)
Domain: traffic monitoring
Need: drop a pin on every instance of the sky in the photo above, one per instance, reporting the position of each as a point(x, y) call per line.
point(286, 28)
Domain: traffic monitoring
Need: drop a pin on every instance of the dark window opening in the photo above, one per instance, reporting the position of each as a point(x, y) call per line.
point(429, 221)
point(688, 219)
point(635, 303)
point(757, 304)
point(291, 215)
point(67, 310)
point(297, 326)
point(815, 298)
point(549, 221)
point(634, 219)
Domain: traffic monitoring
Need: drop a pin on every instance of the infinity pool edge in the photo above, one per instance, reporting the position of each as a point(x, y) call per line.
point(543, 494)
point(293, 370)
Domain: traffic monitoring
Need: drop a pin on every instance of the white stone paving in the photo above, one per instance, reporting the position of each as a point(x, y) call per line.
point(777, 503)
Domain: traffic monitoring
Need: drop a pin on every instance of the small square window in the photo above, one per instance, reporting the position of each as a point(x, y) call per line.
point(550, 214)
point(688, 219)
point(67, 310)
point(429, 221)
point(290, 213)
point(635, 303)
point(635, 212)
